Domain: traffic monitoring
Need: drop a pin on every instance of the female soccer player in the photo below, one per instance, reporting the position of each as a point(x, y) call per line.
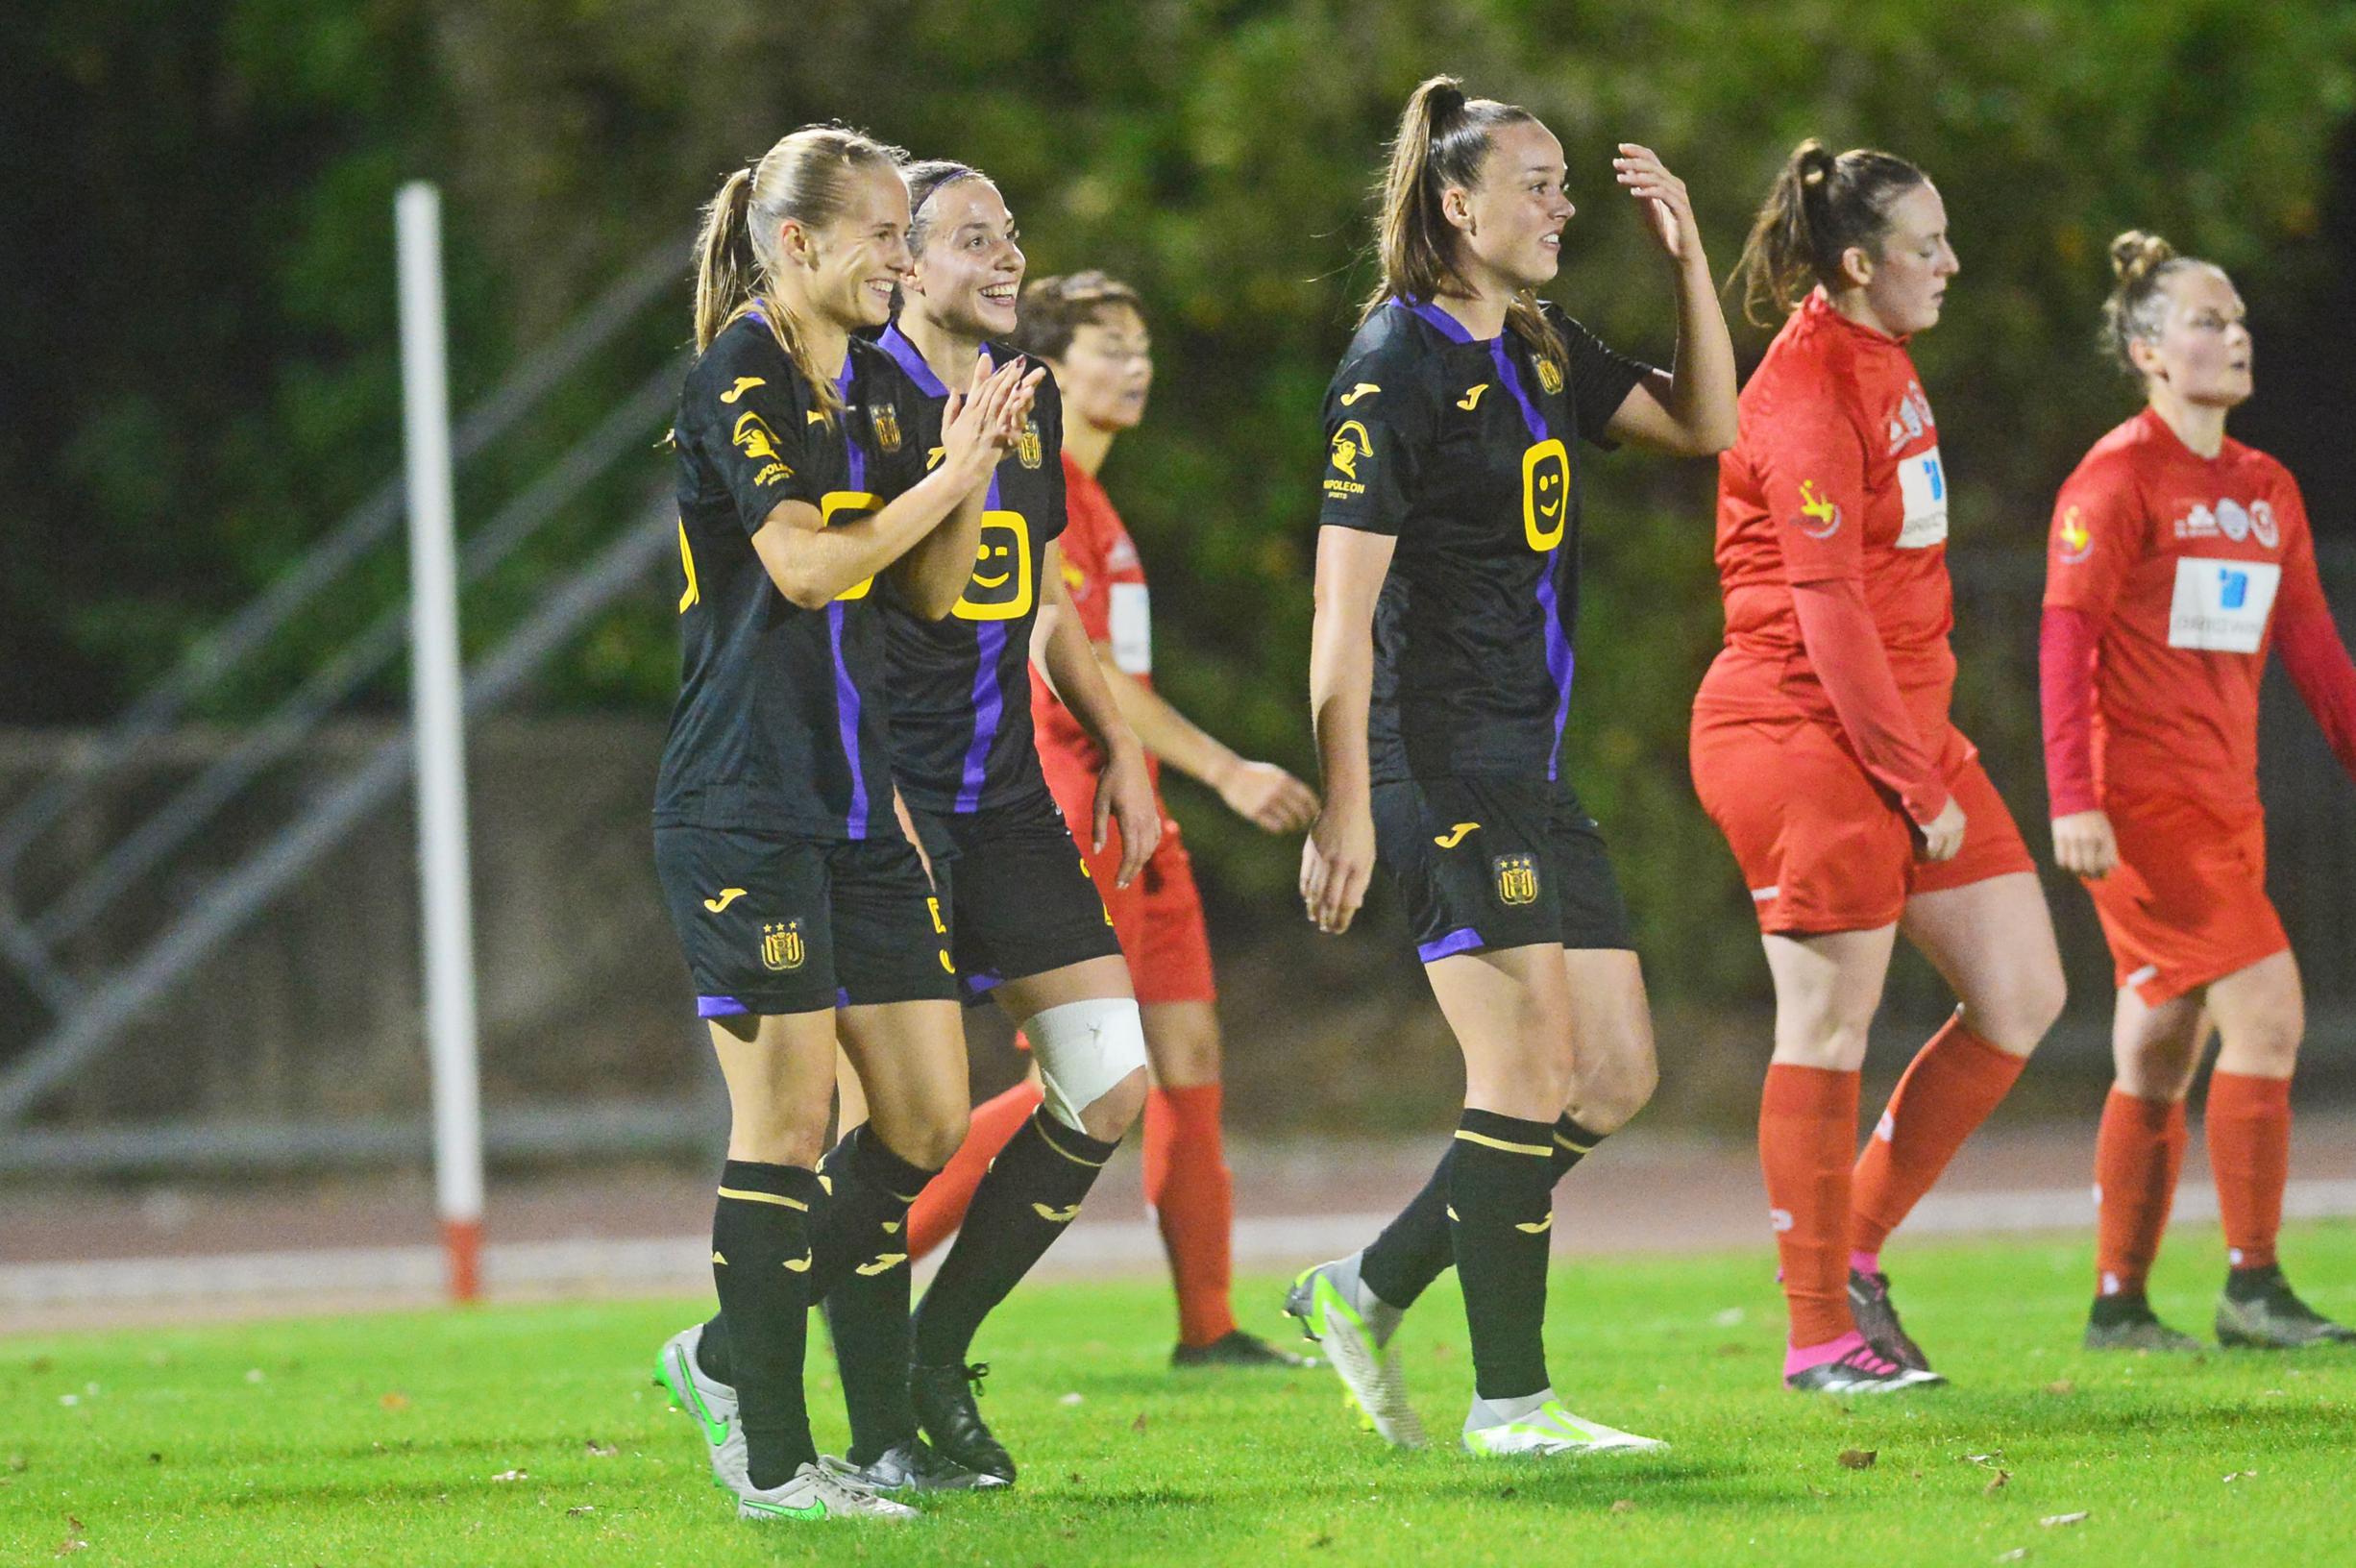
point(1823, 750)
point(1092, 330)
point(786, 873)
point(1440, 661)
point(1025, 923)
point(2178, 555)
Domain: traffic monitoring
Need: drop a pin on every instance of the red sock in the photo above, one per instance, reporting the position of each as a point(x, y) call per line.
point(1952, 1084)
point(941, 1208)
point(1807, 1125)
point(1193, 1199)
point(2137, 1155)
point(2248, 1125)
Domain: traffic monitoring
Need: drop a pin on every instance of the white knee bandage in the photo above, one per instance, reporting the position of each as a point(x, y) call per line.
point(1084, 1049)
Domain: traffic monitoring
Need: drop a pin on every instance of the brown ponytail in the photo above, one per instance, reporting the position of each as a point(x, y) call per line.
point(2138, 307)
point(1443, 138)
point(804, 177)
point(1818, 205)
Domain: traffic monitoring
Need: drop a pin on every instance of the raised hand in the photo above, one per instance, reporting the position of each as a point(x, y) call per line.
point(1663, 199)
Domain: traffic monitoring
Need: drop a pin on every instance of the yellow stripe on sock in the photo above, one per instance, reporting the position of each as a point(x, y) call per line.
point(1488, 1143)
point(777, 1198)
point(1050, 1138)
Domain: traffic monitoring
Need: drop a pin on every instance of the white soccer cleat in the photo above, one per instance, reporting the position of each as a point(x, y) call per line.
point(1551, 1430)
point(711, 1404)
point(1369, 1372)
point(826, 1490)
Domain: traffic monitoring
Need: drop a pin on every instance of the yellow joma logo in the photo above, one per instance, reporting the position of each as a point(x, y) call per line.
point(1356, 392)
point(1456, 835)
point(801, 1264)
point(814, 417)
point(1055, 1216)
point(1538, 1228)
point(883, 1262)
point(727, 896)
point(1472, 399)
point(743, 385)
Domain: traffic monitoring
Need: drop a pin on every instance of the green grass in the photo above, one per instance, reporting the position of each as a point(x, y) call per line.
point(377, 1439)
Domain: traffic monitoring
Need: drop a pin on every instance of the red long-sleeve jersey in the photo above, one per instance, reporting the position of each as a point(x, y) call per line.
point(2186, 570)
point(1833, 553)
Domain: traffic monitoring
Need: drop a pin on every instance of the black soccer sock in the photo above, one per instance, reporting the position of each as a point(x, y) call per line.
point(1499, 1182)
point(862, 1277)
point(1033, 1190)
point(1415, 1247)
point(761, 1231)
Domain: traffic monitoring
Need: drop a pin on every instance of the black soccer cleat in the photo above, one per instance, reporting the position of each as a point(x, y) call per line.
point(1236, 1348)
point(2124, 1322)
point(946, 1409)
point(1864, 1371)
point(2259, 1311)
point(1877, 1317)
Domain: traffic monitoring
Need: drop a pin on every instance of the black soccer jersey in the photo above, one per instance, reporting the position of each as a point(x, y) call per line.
point(1462, 450)
point(961, 693)
point(783, 718)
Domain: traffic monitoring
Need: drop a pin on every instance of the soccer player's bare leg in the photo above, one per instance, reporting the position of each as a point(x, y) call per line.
point(1827, 986)
point(2139, 1150)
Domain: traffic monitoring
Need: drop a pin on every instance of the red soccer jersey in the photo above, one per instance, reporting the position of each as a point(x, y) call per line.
point(1107, 588)
point(2186, 564)
point(1834, 476)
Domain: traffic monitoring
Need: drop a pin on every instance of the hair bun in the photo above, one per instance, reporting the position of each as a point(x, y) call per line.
point(1813, 161)
point(2135, 253)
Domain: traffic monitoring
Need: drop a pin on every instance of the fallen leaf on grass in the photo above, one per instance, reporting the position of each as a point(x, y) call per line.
point(2061, 1385)
point(1730, 1349)
point(1321, 1540)
point(601, 1450)
point(1986, 1460)
point(1860, 1459)
point(395, 1400)
point(585, 1507)
point(17, 1463)
point(1071, 1399)
point(1623, 1505)
point(73, 1541)
point(1997, 1483)
point(1138, 1424)
point(2079, 1518)
point(2013, 1556)
point(513, 1475)
point(2240, 1474)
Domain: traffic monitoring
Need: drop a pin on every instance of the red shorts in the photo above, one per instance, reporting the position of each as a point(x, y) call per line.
point(1822, 847)
point(1157, 918)
point(2186, 902)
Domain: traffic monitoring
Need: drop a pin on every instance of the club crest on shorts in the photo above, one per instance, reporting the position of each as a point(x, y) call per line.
point(781, 946)
point(1028, 446)
point(1517, 878)
point(887, 421)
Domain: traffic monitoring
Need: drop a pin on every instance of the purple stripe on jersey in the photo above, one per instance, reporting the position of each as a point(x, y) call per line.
point(1463, 939)
point(1560, 661)
point(989, 699)
point(851, 446)
point(847, 721)
point(894, 343)
point(1455, 332)
point(719, 1007)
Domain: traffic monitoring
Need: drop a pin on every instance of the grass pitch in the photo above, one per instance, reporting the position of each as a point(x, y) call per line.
point(531, 1435)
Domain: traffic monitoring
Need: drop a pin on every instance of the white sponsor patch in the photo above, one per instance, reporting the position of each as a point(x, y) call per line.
point(1922, 482)
point(1132, 621)
point(2221, 606)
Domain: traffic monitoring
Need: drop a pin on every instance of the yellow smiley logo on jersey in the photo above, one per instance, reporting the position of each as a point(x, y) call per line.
point(1000, 586)
point(1546, 494)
